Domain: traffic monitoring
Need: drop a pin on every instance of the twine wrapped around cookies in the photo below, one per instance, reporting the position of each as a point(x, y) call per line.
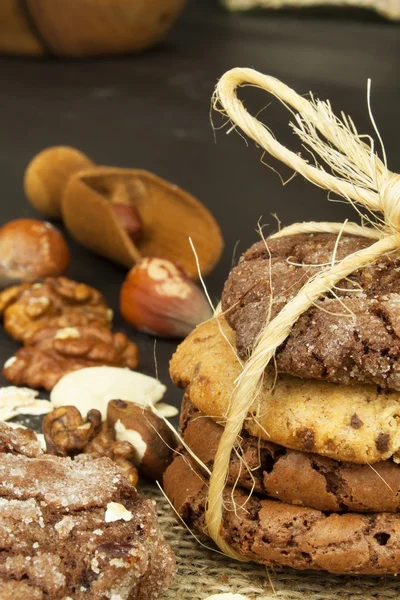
point(360, 177)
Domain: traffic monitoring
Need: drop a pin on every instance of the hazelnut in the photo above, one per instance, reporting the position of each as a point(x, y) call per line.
point(32, 249)
point(158, 297)
point(151, 438)
point(129, 218)
point(47, 174)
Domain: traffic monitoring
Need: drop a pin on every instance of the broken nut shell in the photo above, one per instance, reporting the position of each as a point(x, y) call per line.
point(146, 432)
point(169, 217)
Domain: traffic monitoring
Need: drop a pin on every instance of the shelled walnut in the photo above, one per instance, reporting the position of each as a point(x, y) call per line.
point(56, 302)
point(50, 353)
point(122, 453)
point(67, 433)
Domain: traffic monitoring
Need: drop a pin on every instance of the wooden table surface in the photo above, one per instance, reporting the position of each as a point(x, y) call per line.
point(152, 111)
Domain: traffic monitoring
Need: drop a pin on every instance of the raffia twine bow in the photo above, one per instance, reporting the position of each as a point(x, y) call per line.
point(360, 177)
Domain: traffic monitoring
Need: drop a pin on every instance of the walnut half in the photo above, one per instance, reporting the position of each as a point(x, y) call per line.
point(67, 433)
point(52, 352)
point(122, 453)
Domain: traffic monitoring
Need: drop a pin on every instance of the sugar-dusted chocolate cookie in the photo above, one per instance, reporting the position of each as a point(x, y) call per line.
point(76, 529)
point(19, 441)
point(57, 302)
point(278, 534)
point(300, 478)
point(352, 335)
point(357, 423)
point(50, 353)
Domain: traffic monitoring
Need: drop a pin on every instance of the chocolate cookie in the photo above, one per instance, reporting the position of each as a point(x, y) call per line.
point(57, 302)
point(50, 353)
point(278, 534)
point(77, 530)
point(19, 441)
point(350, 336)
point(357, 424)
point(299, 478)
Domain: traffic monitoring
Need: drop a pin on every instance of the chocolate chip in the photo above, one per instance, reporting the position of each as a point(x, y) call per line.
point(382, 538)
point(356, 422)
point(307, 438)
point(115, 549)
point(382, 442)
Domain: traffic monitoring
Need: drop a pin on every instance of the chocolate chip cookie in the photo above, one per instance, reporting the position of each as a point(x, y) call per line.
point(357, 423)
point(300, 478)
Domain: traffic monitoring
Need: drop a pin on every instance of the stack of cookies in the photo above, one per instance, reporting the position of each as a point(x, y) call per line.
point(314, 479)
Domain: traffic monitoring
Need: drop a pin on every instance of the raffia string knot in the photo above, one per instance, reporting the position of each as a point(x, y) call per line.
point(359, 176)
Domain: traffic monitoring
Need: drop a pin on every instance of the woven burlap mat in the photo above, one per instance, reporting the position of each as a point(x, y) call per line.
point(201, 572)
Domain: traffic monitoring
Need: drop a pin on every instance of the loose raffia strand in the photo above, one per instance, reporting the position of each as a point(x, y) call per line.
point(361, 178)
point(314, 227)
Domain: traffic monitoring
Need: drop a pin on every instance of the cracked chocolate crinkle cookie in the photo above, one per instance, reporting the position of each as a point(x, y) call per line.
point(56, 302)
point(351, 335)
point(75, 529)
point(50, 353)
point(278, 534)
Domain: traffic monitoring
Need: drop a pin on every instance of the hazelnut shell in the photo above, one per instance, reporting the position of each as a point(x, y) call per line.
point(158, 438)
point(47, 174)
point(169, 216)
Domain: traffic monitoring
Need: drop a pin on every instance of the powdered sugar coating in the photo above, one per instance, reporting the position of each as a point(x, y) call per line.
point(352, 333)
point(54, 535)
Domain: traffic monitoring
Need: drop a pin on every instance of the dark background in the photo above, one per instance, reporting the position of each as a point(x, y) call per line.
point(152, 111)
